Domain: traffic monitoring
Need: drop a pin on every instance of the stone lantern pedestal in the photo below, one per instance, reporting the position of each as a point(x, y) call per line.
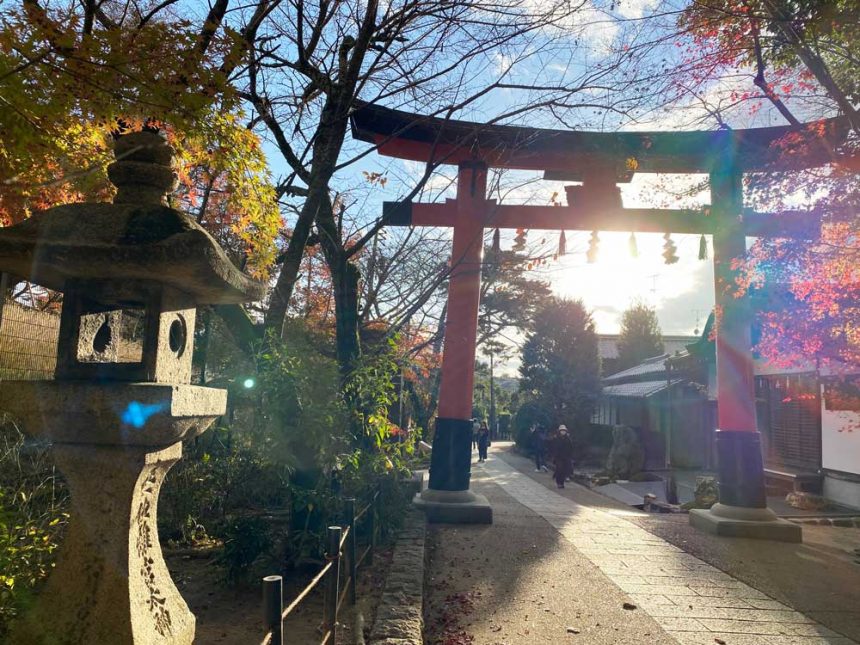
point(132, 274)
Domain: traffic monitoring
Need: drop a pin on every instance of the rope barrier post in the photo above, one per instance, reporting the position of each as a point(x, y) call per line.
point(352, 563)
point(332, 594)
point(273, 605)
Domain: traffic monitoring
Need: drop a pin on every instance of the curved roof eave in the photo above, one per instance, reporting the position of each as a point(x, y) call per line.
point(424, 138)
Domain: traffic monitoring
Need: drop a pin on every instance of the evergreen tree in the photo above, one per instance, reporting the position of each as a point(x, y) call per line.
point(510, 297)
point(640, 337)
point(560, 367)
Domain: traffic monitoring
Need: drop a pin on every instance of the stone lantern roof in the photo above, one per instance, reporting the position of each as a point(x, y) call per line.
point(136, 239)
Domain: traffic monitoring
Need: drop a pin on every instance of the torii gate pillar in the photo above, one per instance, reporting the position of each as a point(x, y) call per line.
point(742, 510)
point(448, 498)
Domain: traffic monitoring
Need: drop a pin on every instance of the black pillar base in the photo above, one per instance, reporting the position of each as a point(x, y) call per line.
point(742, 510)
point(740, 470)
point(451, 459)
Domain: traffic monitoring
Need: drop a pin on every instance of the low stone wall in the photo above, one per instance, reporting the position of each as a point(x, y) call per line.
point(400, 615)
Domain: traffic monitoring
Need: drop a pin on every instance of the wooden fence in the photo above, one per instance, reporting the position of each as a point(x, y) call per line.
point(28, 341)
point(341, 548)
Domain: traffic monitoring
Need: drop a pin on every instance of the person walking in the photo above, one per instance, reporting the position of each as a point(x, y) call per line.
point(562, 453)
point(483, 441)
point(539, 447)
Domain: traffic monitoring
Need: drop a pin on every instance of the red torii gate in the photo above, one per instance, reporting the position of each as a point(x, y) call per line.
point(600, 161)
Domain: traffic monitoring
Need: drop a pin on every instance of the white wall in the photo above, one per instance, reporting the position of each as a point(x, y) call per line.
point(840, 450)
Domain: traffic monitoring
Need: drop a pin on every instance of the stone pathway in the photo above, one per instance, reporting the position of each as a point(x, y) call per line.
point(692, 601)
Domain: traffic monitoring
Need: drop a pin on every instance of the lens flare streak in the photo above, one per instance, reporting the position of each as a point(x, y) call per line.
point(136, 414)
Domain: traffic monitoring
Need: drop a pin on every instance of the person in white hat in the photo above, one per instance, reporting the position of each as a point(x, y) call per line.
point(562, 452)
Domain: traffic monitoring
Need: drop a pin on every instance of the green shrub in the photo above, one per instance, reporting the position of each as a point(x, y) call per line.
point(27, 545)
point(33, 515)
point(591, 443)
point(219, 476)
point(707, 494)
point(395, 501)
point(274, 475)
point(245, 540)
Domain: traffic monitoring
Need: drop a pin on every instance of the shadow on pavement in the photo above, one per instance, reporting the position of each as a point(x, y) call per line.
point(518, 582)
point(820, 577)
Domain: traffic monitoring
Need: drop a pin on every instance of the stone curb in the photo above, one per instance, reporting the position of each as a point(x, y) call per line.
point(400, 615)
point(845, 522)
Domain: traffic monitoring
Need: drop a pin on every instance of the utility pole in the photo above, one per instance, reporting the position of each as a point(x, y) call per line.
point(493, 428)
point(653, 277)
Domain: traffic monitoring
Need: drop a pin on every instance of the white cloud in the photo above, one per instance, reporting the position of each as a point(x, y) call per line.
point(633, 9)
point(504, 62)
point(585, 22)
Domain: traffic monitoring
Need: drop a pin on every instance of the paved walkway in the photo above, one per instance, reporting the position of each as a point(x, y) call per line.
point(693, 602)
point(519, 582)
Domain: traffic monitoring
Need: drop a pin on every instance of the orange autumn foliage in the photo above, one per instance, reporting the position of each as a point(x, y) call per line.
point(66, 87)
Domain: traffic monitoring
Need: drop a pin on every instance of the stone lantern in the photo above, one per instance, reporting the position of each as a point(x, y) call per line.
point(132, 274)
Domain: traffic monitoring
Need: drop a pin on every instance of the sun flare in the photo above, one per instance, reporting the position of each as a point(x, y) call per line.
point(616, 278)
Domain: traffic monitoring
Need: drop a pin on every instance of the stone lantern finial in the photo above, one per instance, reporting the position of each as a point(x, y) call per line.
point(142, 171)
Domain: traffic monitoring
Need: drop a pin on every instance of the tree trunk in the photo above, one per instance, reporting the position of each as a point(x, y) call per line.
point(345, 278)
point(283, 291)
point(437, 373)
point(328, 142)
point(245, 332)
point(420, 412)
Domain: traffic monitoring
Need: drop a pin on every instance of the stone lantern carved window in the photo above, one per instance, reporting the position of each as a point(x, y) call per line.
point(113, 336)
point(141, 333)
